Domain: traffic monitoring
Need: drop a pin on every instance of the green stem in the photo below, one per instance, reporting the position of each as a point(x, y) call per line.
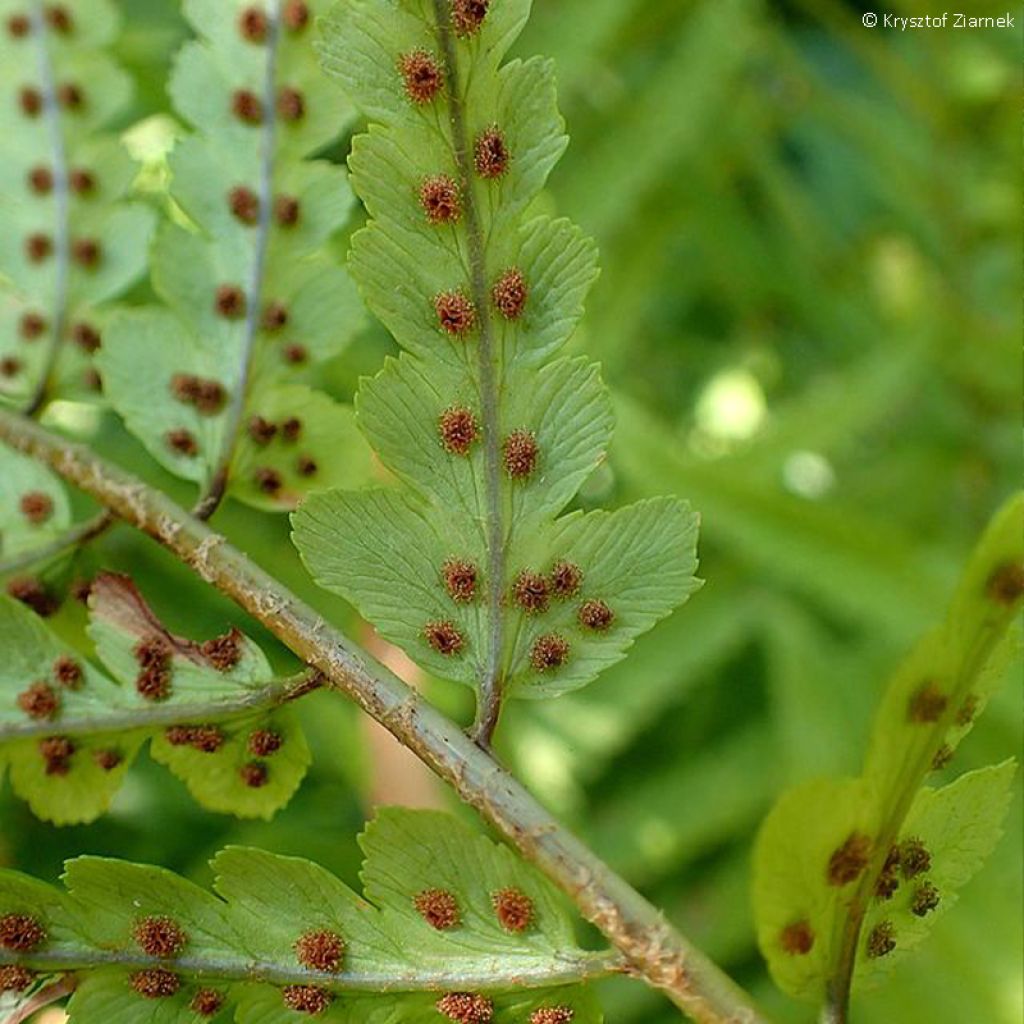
point(117, 720)
point(504, 975)
point(489, 697)
point(653, 948)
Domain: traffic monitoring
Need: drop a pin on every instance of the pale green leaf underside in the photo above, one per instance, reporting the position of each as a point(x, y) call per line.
point(69, 750)
point(241, 941)
point(26, 523)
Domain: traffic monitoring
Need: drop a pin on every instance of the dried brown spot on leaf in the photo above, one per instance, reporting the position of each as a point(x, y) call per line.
point(850, 860)
point(797, 939)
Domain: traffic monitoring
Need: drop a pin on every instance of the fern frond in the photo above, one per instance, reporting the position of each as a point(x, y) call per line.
point(213, 712)
point(852, 873)
point(451, 927)
point(254, 300)
point(69, 241)
point(466, 565)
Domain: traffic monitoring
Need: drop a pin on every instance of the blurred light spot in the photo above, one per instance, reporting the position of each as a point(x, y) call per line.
point(657, 838)
point(52, 1015)
point(898, 276)
point(731, 406)
point(80, 418)
point(808, 474)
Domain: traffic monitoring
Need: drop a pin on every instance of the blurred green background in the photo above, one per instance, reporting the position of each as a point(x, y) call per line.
point(810, 314)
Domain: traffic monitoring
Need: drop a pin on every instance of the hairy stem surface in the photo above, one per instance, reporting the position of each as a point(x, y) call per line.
point(652, 947)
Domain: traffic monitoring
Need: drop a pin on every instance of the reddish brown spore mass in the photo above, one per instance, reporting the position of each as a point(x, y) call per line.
point(291, 429)
point(286, 211)
point(264, 742)
point(881, 940)
point(32, 326)
point(206, 1002)
point(468, 16)
point(154, 659)
point(421, 76)
point(10, 366)
point(291, 104)
point(14, 978)
point(86, 252)
point(519, 452)
point(532, 592)
point(155, 983)
point(596, 616)
point(466, 1007)
point(914, 858)
point(21, 933)
point(510, 293)
point(67, 672)
point(86, 337)
point(320, 950)
point(849, 861)
point(797, 939)
point(444, 637)
point(261, 430)
point(295, 15)
point(942, 757)
point(39, 701)
point(225, 651)
point(18, 26)
point(244, 204)
point(82, 182)
point(306, 466)
point(36, 507)
point(38, 247)
point(456, 314)
point(441, 199)
point(275, 316)
point(888, 881)
point(309, 999)
point(108, 760)
point(183, 442)
point(460, 580)
point(458, 428)
point(56, 752)
point(32, 593)
point(230, 302)
point(59, 19)
point(246, 106)
point(255, 774)
point(513, 908)
point(438, 907)
point(566, 580)
point(252, 25)
point(549, 652)
point(159, 936)
point(927, 704)
point(40, 180)
point(1006, 584)
point(925, 900)
point(30, 100)
point(207, 739)
point(70, 96)
point(267, 480)
point(552, 1015)
point(490, 154)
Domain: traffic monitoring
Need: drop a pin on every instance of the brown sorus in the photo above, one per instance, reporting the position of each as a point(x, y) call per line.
point(444, 637)
point(925, 900)
point(566, 580)
point(230, 301)
point(86, 252)
point(154, 659)
point(549, 652)
point(849, 861)
point(519, 452)
point(40, 180)
point(70, 96)
point(286, 211)
point(291, 104)
point(30, 100)
point(32, 593)
point(927, 704)
point(942, 757)
point(468, 16)
point(456, 314)
point(460, 579)
point(295, 15)
point(967, 711)
point(421, 76)
point(1006, 584)
point(224, 652)
point(531, 591)
point(490, 154)
point(67, 672)
point(441, 199)
point(465, 1007)
point(320, 950)
point(183, 442)
point(254, 774)
point(207, 739)
point(58, 18)
point(275, 316)
point(264, 742)
point(596, 615)
point(888, 881)
point(38, 247)
point(252, 25)
point(246, 106)
point(108, 760)
point(513, 908)
point(509, 294)
point(295, 354)
point(155, 983)
point(39, 700)
point(81, 181)
point(18, 26)
point(244, 204)
point(14, 978)
point(914, 858)
point(458, 428)
point(56, 752)
point(10, 366)
point(32, 325)
point(86, 337)
point(21, 933)
point(438, 907)
point(309, 999)
point(207, 1002)
point(179, 735)
point(881, 940)
point(36, 507)
point(291, 429)
point(552, 1015)
point(267, 480)
point(797, 938)
point(159, 936)
point(306, 466)
point(261, 430)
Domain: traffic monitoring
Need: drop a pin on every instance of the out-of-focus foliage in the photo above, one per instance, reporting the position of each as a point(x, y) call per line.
point(809, 311)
